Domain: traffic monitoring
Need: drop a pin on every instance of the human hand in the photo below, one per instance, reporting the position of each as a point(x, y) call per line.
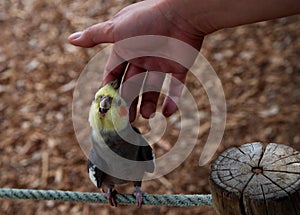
point(143, 18)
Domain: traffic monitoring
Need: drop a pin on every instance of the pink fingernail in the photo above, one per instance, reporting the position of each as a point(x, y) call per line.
point(147, 110)
point(75, 35)
point(169, 109)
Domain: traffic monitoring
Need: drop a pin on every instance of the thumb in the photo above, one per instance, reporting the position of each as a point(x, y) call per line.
point(93, 35)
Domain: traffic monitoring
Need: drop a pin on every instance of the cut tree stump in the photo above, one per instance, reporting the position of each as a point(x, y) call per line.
point(251, 179)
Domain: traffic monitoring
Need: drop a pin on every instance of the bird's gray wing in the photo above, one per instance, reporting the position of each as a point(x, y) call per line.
point(146, 152)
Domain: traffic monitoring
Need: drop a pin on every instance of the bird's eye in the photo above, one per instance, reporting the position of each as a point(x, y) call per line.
point(119, 102)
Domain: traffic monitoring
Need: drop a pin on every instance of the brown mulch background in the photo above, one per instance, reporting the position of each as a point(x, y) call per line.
point(258, 65)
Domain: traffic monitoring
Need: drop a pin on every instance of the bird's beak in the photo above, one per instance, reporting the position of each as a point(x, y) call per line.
point(105, 103)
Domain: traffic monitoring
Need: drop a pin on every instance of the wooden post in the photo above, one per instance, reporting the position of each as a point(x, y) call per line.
point(253, 180)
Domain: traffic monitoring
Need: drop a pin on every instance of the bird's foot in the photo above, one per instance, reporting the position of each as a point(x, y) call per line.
point(110, 195)
point(138, 196)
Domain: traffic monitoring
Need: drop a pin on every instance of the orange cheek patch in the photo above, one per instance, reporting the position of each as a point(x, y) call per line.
point(123, 111)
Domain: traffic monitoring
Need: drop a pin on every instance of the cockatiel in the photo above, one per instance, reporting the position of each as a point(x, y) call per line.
point(117, 147)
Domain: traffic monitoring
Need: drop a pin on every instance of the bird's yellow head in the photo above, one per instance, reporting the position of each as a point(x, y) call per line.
point(109, 112)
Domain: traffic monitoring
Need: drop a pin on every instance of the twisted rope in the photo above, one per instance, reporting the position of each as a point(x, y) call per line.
point(148, 199)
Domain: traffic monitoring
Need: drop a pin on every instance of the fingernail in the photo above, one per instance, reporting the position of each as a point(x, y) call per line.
point(75, 35)
point(166, 113)
point(169, 109)
point(148, 109)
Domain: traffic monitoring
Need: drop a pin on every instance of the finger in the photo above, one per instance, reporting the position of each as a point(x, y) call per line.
point(131, 87)
point(114, 68)
point(132, 109)
point(93, 35)
point(174, 93)
point(152, 89)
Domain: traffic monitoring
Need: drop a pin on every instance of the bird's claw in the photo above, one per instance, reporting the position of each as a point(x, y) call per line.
point(138, 196)
point(112, 200)
point(110, 195)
